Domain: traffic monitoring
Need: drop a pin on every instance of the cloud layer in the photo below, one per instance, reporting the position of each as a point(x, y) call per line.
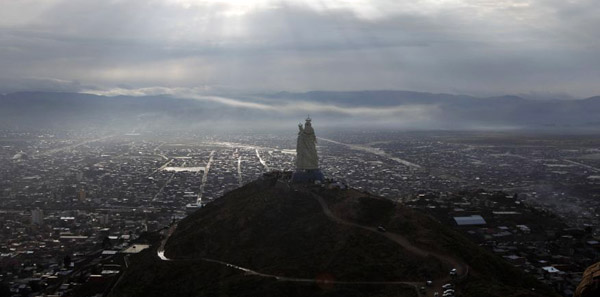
point(479, 47)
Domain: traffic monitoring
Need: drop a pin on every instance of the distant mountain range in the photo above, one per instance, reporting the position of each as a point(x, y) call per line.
point(366, 109)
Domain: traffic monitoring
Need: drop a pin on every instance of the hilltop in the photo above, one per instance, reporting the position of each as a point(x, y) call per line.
point(270, 238)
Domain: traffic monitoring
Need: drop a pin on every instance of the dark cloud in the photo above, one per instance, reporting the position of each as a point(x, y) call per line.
point(479, 47)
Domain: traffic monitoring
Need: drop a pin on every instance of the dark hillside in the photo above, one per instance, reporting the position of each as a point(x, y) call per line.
point(270, 238)
point(278, 225)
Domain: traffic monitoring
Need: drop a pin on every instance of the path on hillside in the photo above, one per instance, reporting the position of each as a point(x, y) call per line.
point(397, 238)
point(160, 252)
point(462, 269)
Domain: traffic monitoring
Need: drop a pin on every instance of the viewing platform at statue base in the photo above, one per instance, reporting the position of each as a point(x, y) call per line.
point(307, 176)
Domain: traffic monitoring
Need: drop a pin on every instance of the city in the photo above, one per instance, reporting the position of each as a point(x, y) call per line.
point(150, 149)
point(76, 204)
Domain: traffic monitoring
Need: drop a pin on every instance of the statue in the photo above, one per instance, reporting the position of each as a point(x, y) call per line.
point(307, 161)
point(306, 149)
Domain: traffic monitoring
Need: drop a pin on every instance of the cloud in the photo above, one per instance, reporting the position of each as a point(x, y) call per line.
point(479, 47)
point(42, 84)
point(410, 112)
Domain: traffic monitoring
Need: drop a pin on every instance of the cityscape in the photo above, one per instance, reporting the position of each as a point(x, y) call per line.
point(298, 148)
point(75, 205)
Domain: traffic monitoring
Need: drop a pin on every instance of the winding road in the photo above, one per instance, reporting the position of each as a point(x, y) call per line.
point(462, 269)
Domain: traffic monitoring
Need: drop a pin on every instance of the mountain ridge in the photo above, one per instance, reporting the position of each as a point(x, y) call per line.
point(369, 109)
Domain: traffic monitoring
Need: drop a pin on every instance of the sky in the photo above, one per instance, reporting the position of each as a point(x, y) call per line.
point(537, 48)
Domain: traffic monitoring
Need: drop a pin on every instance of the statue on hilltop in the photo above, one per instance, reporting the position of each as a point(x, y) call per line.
point(306, 147)
point(307, 161)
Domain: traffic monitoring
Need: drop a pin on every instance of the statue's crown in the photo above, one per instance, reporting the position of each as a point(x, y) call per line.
point(308, 119)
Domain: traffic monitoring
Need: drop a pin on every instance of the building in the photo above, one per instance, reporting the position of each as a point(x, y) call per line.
point(472, 220)
point(37, 216)
point(81, 195)
point(103, 219)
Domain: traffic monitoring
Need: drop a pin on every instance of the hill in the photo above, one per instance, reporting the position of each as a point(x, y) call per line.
point(270, 238)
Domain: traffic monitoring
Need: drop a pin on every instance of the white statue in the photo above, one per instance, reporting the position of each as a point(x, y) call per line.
point(306, 148)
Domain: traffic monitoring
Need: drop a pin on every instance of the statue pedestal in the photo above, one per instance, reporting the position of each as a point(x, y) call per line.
point(307, 176)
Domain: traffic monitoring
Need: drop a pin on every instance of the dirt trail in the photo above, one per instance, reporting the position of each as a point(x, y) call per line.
point(397, 238)
point(160, 252)
point(462, 269)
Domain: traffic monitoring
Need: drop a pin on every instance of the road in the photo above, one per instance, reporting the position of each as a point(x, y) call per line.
point(160, 252)
point(166, 183)
point(267, 169)
point(239, 170)
point(462, 268)
point(64, 148)
point(162, 167)
point(583, 165)
point(375, 151)
point(161, 249)
point(205, 176)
